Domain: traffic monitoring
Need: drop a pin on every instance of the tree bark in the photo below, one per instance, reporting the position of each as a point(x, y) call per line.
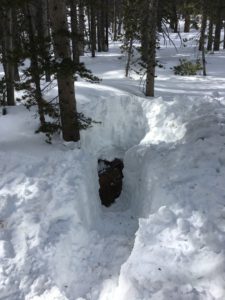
point(74, 30)
point(129, 53)
point(218, 27)
point(187, 21)
point(202, 38)
point(67, 102)
point(102, 25)
point(9, 62)
point(151, 61)
point(114, 20)
point(81, 27)
point(16, 43)
point(106, 17)
point(159, 19)
point(32, 32)
point(174, 20)
point(46, 36)
point(93, 30)
point(224, 36)
point(203, 28)
point(99, 30)
point(210, 35)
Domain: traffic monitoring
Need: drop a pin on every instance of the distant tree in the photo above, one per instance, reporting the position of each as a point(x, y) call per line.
point(81, 27)
point(74, 30)
point(92, 27)
point(210, 34)
point(7, 51)
point(218, 24)
point(33, 50)
point(102, 25)
point(131, 30)
point(202, 37)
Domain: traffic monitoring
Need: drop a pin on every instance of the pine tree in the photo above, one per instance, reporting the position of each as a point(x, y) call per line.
point(67, 101)
point(7, 51)
point(151, 9)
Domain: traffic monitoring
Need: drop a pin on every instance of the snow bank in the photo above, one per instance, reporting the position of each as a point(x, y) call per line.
point(50, 208)
point(176, 256)
point(45, 207)
point(45, 201)
point(122, 120)
point(56, 243)
point(175, 179)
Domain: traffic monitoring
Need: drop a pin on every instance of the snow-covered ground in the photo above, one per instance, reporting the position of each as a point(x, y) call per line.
point(164, 238)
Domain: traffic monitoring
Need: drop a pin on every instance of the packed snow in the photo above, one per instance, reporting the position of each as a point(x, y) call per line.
point(164, 238)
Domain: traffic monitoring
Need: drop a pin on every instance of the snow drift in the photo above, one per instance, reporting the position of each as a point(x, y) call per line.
point(57, 242)
point(175, 179)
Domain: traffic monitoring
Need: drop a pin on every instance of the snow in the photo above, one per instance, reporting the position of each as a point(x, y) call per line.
point(164, 237)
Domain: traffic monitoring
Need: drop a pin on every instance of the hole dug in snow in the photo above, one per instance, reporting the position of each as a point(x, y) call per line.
point(110, 180)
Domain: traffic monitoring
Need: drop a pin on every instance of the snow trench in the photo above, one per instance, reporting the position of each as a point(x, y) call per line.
point(179, 246)
point(172, 179)
point(58, 242)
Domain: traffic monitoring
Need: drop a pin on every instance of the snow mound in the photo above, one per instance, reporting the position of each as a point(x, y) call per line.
point(53, 236)
point(179, 188)
point(57, 243)
point(122, 120)
point(43, 203)
point(175, 256)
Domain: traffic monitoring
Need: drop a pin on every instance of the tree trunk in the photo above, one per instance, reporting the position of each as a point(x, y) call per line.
point(129, 57)
point(114, 21)
point(187, 23)
point(203, 61)
point(67, 102)
point(210, 35)
point(202, 38)
point(74, 30)
point(145, 33)
point(106, 17)
point(16, 43)
point(93, 30)
point(100, 26)
point(120, 22)
point(81, 27)
point(151, 62)
point(203, 28)
point(9, 62)
point(31, 16)
point(224, 36)
point(159, 19)
point(120, 18)
point(99, 31)
point(174, 20)
point(218, 27)
point(88, 14)
point(46, 36)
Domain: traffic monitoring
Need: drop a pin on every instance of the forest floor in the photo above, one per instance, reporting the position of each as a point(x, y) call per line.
point(164, 238)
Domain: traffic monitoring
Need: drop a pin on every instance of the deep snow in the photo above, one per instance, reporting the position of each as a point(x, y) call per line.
point(164, 238)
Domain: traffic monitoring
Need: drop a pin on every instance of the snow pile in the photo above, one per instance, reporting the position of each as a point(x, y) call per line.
point(176, 256)
point(122, 121)
point(45, 206)
point(54, 236)
point(179, 188)
point(57, 243)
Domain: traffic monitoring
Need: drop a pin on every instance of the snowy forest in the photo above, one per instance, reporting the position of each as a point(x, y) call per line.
point(112, 150)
